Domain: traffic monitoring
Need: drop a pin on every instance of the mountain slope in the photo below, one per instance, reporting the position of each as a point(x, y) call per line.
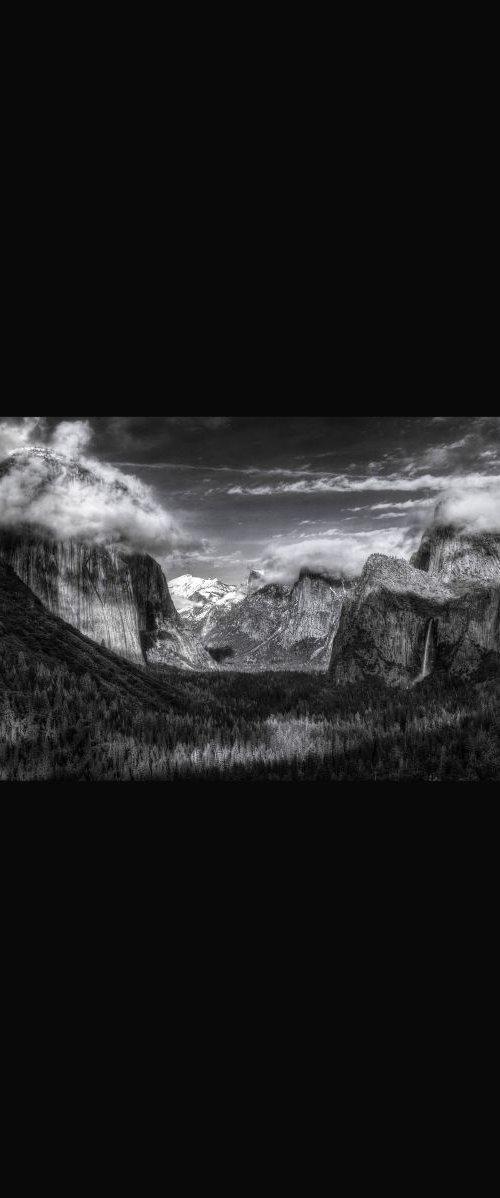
point(116, 598)
point(71, 709)
point(27, 628)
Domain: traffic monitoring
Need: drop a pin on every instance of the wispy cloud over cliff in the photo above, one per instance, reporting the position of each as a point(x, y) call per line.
point(83, 499)
point(336, 553)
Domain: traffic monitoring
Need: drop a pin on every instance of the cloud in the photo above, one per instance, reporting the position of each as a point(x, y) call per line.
point(345, 484)
point(71, 438)
point(342, 553)
point(91, 502)
point(407, 505)
point(16, 432)
point(339, 554)
point(474, 511)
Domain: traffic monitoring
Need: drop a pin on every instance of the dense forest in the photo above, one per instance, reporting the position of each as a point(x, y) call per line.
point(55, 724)
point(71, 710)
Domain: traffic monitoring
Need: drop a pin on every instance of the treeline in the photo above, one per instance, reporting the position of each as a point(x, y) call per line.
point(59, 724)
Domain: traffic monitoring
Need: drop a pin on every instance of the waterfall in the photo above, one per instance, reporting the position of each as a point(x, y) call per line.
point(426, 668)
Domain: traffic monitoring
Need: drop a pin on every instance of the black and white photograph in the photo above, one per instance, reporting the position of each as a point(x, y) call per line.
point(249, 599)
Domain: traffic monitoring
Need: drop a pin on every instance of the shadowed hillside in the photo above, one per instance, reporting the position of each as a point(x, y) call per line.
point(27, 628)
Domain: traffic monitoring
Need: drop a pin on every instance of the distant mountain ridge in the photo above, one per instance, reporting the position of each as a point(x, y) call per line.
point(278, 627)
point(200, 601)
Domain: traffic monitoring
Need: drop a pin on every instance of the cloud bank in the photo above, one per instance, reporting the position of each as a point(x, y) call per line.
point(85, 500)
point(343, 553)
point(340, 554)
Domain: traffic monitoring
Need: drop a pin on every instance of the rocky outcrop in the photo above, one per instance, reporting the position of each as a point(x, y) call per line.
point(280, 628)
point(255, 581)
point(442, 612)
point(163, 636)
point(315, 607)
point(458, 556)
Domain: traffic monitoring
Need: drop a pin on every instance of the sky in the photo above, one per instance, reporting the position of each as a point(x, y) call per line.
point(282, 493)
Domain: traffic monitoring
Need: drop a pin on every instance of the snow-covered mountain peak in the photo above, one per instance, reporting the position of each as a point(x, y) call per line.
point(197, 598)
point(34, 451)
point(187, 585)
point(39, 466)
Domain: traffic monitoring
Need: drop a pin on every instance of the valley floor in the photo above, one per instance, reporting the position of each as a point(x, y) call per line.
point(58, 724)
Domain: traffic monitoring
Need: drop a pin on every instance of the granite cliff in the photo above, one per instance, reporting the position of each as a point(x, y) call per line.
point(117, 598)
point(279, 627)
point(440, 612)
point(459, 556)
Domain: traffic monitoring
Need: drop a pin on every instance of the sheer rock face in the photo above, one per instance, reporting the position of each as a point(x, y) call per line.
point(86, 586)
point(457, 556)
point(314, 614)
point(451, 592)
point(119, 600)
point(281, 628)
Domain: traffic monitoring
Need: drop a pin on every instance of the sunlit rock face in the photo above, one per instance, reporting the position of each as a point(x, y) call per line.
point(118, 599)
point(448, 599)
point(87, 586)
point(314, 614)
